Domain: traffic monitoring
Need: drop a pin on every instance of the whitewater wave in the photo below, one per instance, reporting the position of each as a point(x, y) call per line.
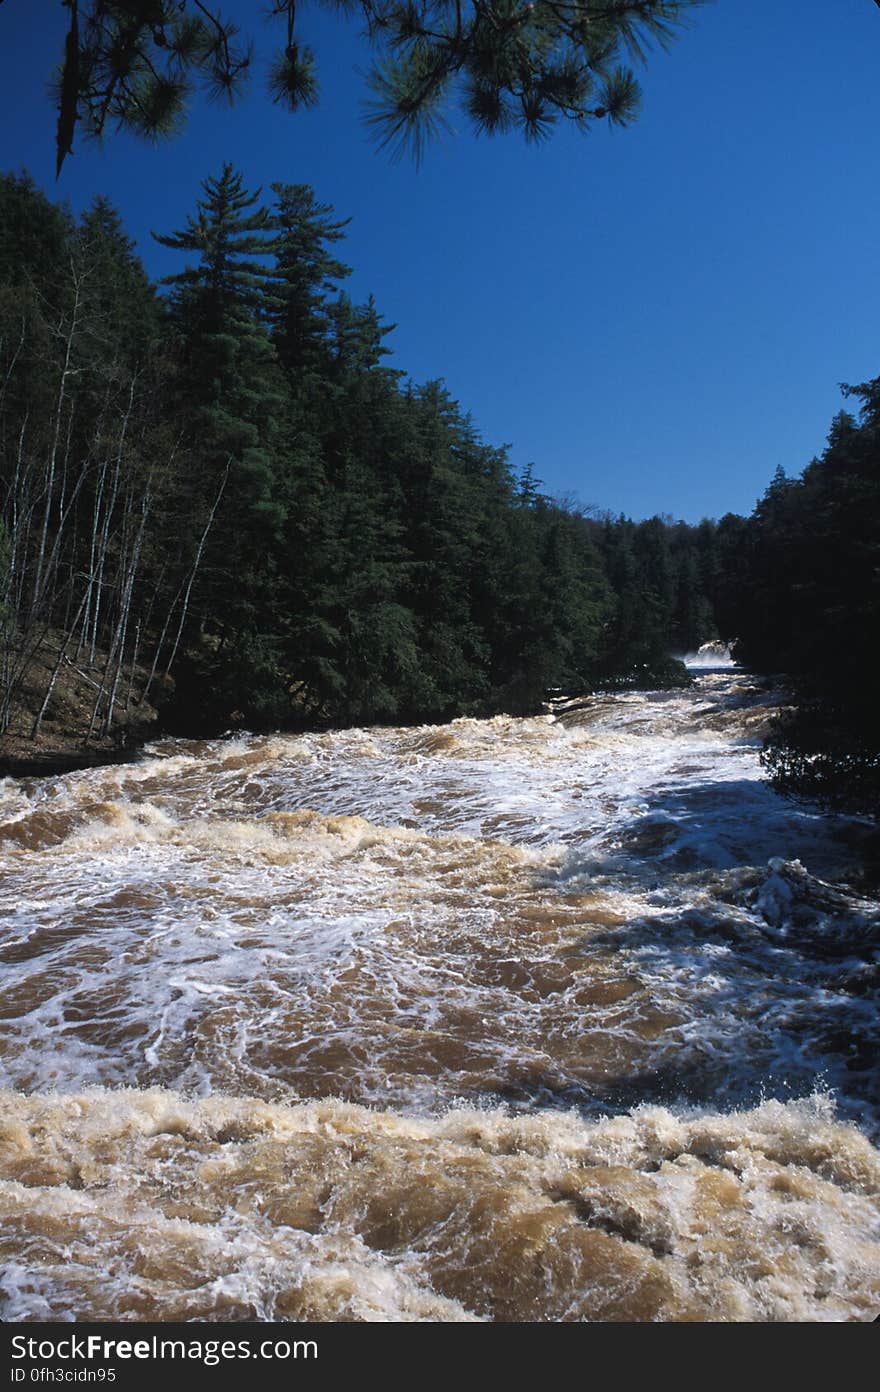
point(503, 1019)
point(143, 1205)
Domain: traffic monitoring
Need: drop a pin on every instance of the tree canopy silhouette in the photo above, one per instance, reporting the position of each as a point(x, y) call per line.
point(507, 64)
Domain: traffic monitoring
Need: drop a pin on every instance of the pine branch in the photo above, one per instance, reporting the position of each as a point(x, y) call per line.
point(525, 62)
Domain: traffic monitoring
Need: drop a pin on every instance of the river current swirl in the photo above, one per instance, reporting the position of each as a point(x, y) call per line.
point(563, 1018)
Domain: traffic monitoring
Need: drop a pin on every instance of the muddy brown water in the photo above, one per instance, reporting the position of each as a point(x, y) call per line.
point(568, 1018)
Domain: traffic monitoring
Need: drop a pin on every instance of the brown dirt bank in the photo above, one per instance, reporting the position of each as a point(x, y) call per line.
point(62, 744)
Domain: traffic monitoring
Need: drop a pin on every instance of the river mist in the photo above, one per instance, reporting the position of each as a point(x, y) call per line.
point(563, 1018)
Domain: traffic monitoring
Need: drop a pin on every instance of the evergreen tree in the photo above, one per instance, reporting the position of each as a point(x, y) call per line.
point(130, 64)
point(307, 272)
point(124, 310)
point(231, 394)
point(575, 603)
point(808, 608)
point(34, 240)
point(231, 484)
point(446, 479)
point(86, 473)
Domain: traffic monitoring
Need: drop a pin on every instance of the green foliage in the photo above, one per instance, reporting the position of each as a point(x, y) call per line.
point(306, 274)
point(664, 580)
point(801, 596)
point(34, 238)
point(243, 685)
point(134, 64)
point(293, 80)
point(123, 307)
point(825, 751)
point(231, 395)
point(328, 543)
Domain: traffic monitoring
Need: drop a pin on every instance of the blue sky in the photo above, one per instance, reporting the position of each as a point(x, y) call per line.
point(655, 317)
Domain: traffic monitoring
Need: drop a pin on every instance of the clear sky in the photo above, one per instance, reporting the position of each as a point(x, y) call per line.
point(655, 317)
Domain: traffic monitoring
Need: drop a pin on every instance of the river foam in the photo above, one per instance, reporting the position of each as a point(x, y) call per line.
point(146, 1205)
point(598, 1008)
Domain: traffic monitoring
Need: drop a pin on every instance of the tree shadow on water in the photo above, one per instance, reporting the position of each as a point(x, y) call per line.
point(775, 990)
point(686, 827)
point(693, 1084)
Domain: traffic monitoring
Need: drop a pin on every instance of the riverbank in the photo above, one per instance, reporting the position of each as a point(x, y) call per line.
point(62, 743)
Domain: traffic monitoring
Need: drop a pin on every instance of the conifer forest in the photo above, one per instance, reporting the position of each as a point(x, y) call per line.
point(439, 702)
point(219, 499)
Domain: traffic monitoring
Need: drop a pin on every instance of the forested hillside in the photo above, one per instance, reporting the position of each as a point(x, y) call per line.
point(799, 592)
point(218, 498)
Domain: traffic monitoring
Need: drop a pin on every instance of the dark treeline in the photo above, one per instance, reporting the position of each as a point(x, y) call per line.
point(799, 591)
point(221, 499)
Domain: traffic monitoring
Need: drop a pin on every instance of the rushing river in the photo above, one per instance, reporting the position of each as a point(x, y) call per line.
point(559, 1018)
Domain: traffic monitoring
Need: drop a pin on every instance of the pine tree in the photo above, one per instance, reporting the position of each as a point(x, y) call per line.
point(576, 602)
point(123, 304)
point(639, 639)
point(131, 64)
point(231, 395)
point(232, 485)
point(306, 273)
point(808, 609)
point(83, 453)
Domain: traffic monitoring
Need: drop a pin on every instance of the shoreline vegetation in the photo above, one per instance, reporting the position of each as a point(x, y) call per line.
point(62, 744)
point(222, 509)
